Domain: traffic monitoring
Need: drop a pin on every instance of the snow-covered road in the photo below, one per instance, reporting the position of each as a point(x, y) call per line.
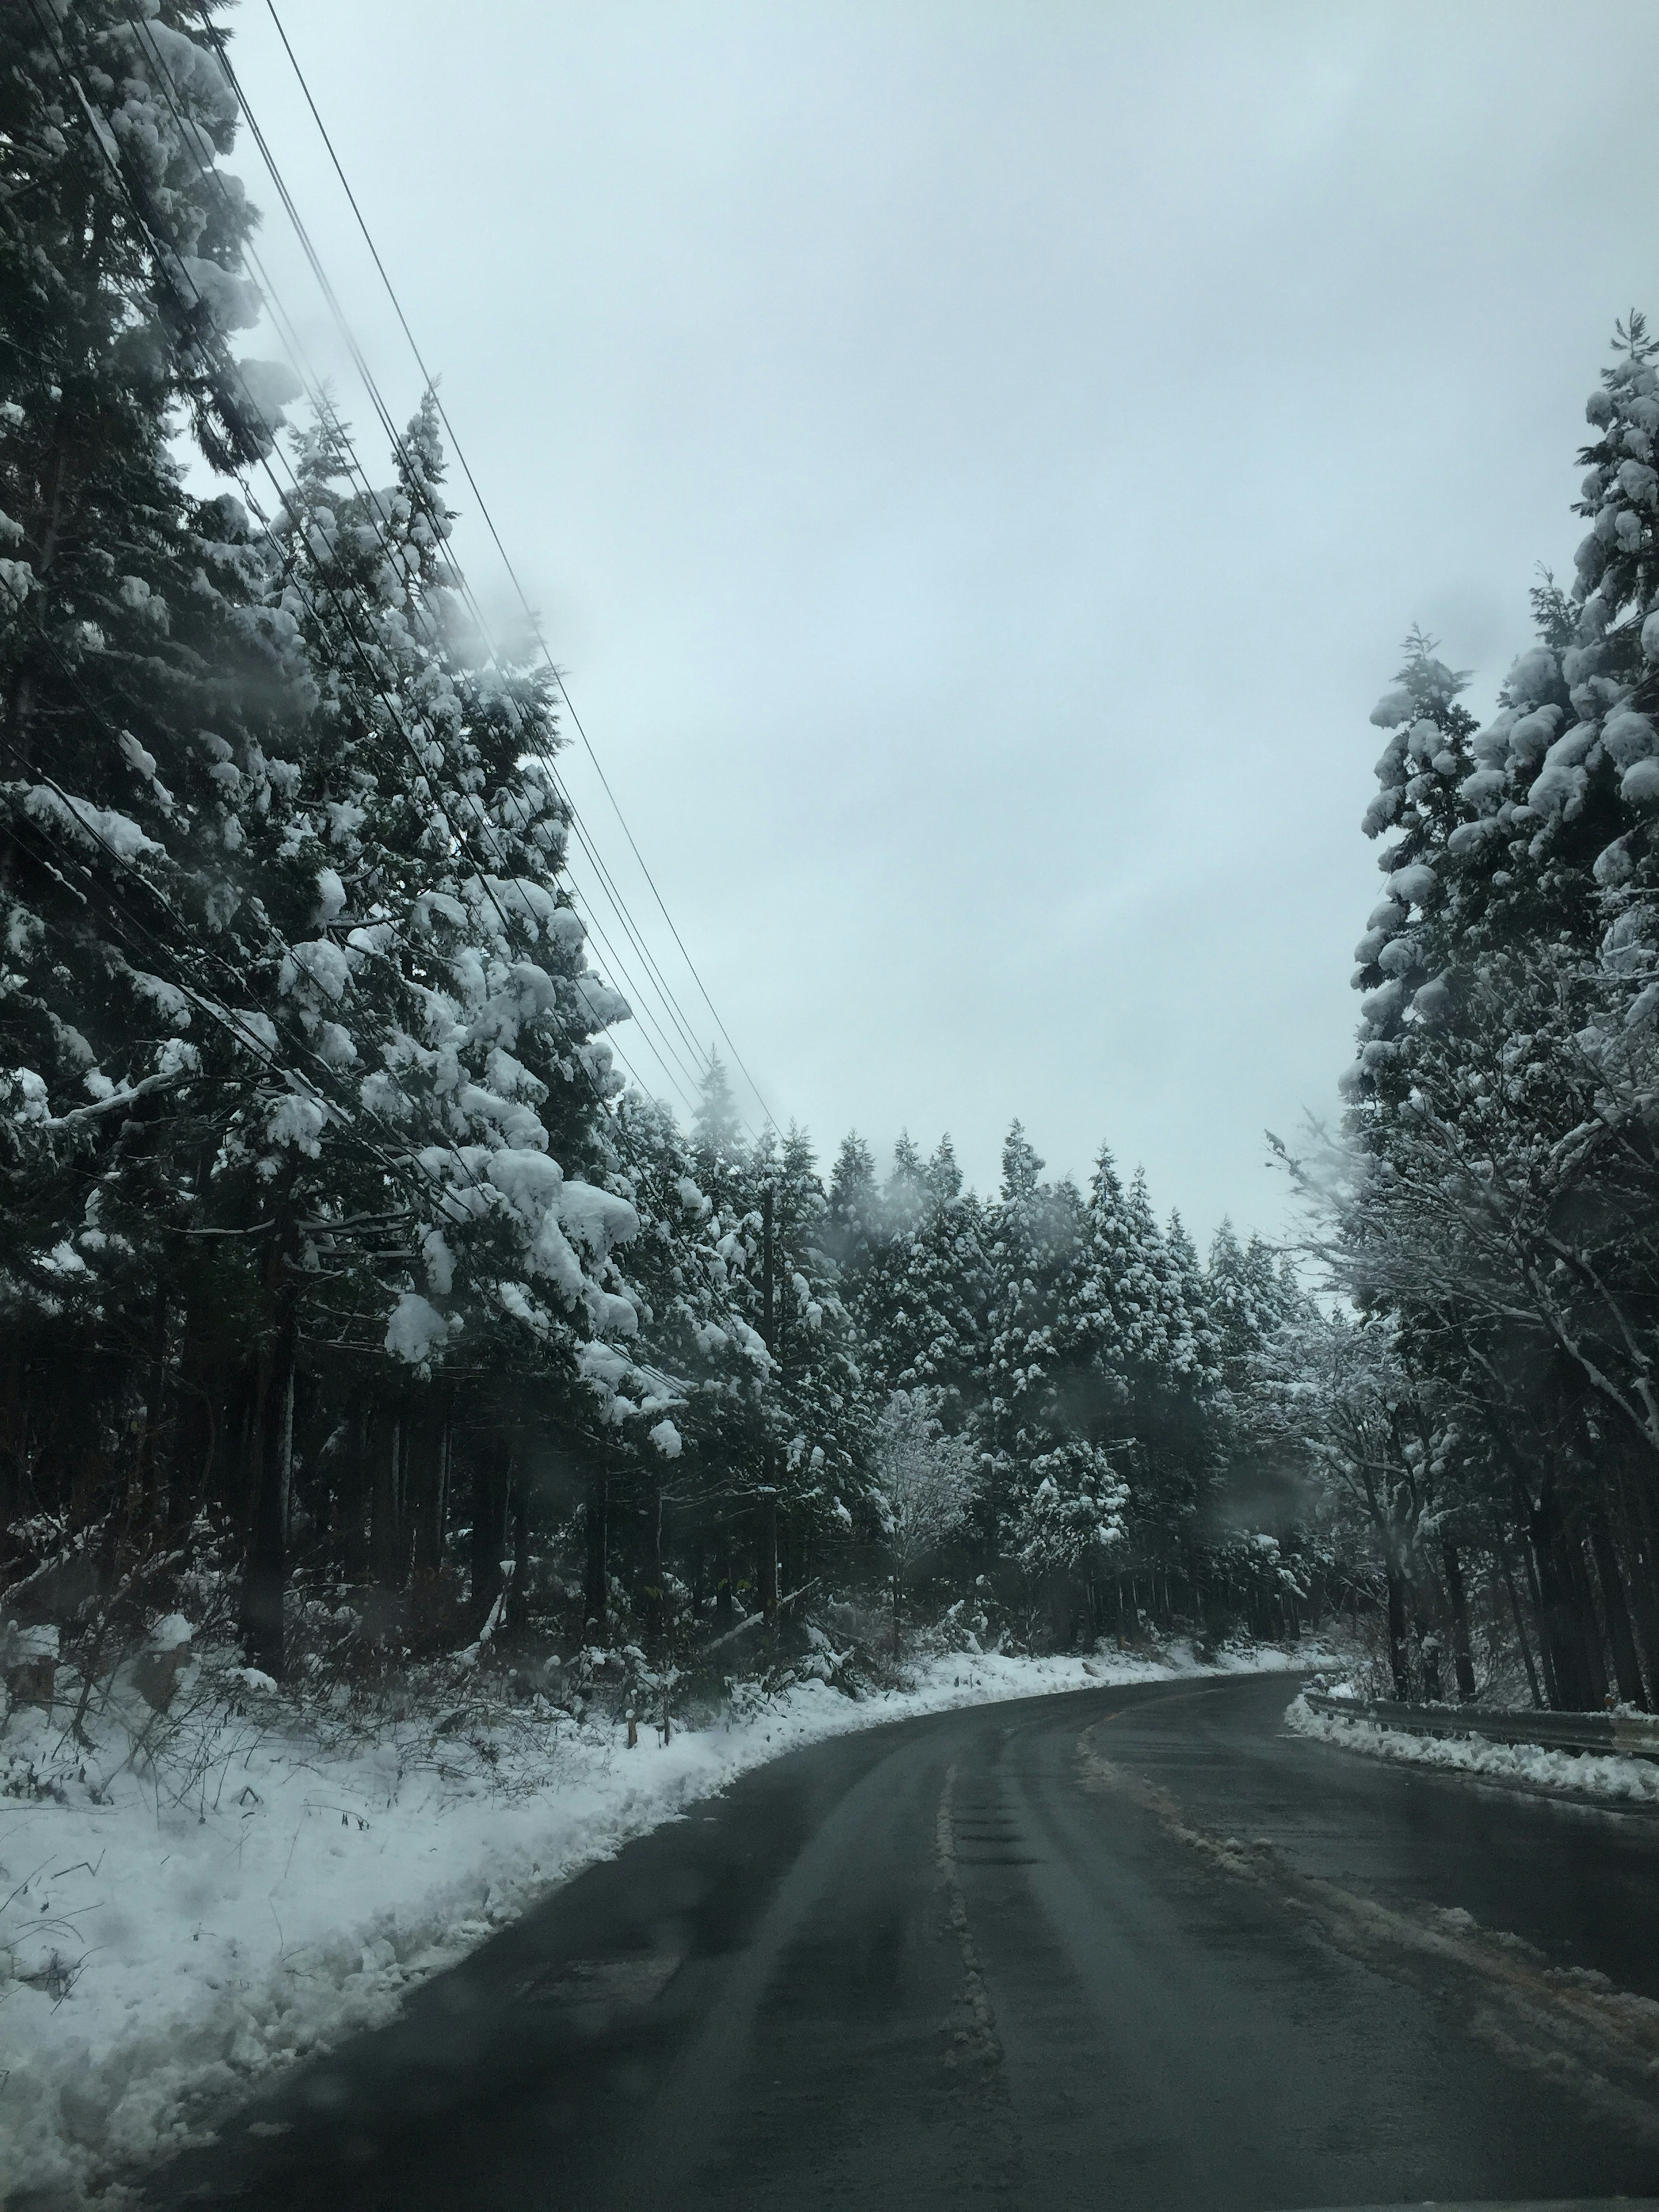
point(172, 1931)
point(1131, 1944)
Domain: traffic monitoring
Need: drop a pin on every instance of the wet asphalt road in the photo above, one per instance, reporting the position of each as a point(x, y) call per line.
point(1129, 1948)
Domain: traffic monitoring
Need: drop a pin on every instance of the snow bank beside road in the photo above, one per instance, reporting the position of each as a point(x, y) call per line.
point(1626, 1781)
point(161, 1948)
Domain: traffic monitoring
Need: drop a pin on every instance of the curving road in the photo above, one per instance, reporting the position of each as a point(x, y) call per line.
point(1127, 1947)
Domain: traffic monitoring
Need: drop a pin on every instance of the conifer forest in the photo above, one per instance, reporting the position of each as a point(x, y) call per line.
point(355, 1303)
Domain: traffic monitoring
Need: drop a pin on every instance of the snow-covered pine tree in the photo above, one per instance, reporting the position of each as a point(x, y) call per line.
point(1422, 775)
point(1048, 1496)
point(1513, 1038)
point(1197, 1361)
point(853, 1218)
point(1170, 1376)
point(129, 630)
point(719, 1147)
point(447, 973)
point(819, 1408)
point(669, 1494)
point(874, 1292)
point(929, 1332)
point(942, 1177)
point(1245, 1297)
point(904, 1194)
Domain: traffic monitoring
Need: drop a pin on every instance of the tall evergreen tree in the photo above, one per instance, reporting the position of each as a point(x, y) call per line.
point(930, 1332)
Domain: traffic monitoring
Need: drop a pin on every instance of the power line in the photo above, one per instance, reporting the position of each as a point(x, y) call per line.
point(488, 519)
point(165, 253)
point(226, 1019)
point(211, 176)
point(607, 881)
point(288, 336)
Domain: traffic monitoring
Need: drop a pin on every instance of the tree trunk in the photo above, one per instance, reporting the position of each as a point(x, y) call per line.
point(1626, 1667)
point(1400, 1665)
point(1463, 1661)
point(1563, 1627)
point(144, 1501)
point(1576, 1575)
point(1520, 1624)
point(426, 1452)
point(766, 1558)
point(792, 1547)
point(1535, 1597)
point(426, 1447)
point(492, 1470)
point(518, 1597)
point(353, 1494)
point(205, 1401)
point(266, 1582)
point(386, 1537)
point(596, 1515)
point(1639, 1547)
point(656, 1577)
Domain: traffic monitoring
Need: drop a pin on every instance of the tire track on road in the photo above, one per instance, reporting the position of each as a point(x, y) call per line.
point(974, 2050)
point(1569, 2025)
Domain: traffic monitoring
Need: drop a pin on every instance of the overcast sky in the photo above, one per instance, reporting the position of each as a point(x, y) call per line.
point(974, 465)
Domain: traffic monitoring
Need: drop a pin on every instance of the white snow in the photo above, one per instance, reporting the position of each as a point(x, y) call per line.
point(271, 386)
point(1533, 675)
point(1414, 885)
point(528, 1180)
point(415, 1327)
point(330, 896)
point(597, 1220)
point(178, 1921)
point(98, 826)
point(1599, 1774)
point(326, 963)
point(1628, 737)
point(133, 752)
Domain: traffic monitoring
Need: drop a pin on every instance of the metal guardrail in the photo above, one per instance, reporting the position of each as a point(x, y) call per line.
point(1629, 1736)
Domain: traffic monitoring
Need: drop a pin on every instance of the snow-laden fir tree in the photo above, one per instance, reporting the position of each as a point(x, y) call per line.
point(1051, 1495)
point(853, 1221)
point(817, 1475)
point(1497, 1115)
point(134, 649)
point(927, 1330)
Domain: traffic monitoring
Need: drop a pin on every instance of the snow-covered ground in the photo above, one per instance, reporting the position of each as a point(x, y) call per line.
point(1597, 1774)
point(174, 1926)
